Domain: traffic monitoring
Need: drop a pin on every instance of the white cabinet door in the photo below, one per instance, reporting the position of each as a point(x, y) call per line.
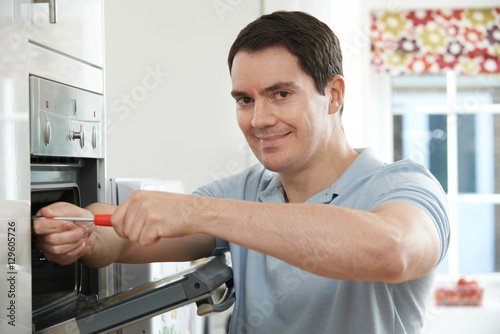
point(78, 31)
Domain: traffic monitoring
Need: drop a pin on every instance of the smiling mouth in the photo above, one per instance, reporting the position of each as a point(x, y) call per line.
point(272, 141)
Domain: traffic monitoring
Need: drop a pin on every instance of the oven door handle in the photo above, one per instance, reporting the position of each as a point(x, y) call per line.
point(209, 306)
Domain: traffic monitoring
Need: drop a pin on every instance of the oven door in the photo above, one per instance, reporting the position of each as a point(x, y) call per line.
point(200, 284)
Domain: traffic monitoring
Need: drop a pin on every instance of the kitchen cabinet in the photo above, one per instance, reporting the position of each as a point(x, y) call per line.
point(77, 32)
point(69, 49)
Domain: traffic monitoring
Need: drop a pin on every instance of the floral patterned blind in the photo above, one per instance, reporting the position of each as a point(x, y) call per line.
point(435, 41)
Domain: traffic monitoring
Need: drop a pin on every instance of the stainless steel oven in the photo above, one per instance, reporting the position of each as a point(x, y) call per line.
point(67, 151)
point(67, 164)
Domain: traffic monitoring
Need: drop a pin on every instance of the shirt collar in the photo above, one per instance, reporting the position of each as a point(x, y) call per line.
point(365, 163)
point(274, 192)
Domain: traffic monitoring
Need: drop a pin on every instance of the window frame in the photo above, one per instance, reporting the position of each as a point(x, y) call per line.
point(451, 109)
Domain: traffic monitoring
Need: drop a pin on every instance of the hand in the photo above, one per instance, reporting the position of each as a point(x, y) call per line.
point(147, 216)
point(63, 241)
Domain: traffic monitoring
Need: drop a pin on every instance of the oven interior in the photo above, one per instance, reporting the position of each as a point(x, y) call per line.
point(61, 292)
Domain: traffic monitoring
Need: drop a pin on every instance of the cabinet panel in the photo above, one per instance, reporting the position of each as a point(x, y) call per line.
point(51, 65)
point(78, 31)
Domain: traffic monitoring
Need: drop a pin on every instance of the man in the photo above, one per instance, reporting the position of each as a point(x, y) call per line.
point(323, 238)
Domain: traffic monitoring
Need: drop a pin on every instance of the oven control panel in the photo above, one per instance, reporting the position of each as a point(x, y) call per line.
point(65, 121)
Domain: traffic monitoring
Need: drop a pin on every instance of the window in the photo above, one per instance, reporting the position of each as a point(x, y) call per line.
point(451, 124)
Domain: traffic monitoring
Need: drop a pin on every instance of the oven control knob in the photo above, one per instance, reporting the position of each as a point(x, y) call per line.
point(46, 132)
point(73, 135)
point(94, 137)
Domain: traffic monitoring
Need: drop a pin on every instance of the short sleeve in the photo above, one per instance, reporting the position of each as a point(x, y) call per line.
point(408, 181)
point(214, 190)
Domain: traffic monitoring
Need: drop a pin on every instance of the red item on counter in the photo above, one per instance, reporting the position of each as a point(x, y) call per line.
point(464, 293)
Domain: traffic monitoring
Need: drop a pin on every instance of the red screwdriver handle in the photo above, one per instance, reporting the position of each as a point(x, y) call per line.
point(102, 219)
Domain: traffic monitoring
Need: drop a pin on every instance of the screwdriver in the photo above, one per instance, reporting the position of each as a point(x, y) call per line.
point(98, 219)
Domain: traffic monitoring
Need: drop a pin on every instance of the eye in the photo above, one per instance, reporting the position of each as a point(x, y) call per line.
point(281, 95)
point(243, 101)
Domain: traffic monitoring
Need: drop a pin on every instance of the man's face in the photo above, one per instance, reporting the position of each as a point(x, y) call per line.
point(283, 117)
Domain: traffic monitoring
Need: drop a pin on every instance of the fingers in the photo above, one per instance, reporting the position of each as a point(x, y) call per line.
point(127, 220)
point(66, 255)
point(63, 209)
point(147, 216)
point(49, 226)
point(63, 241)
point(138, 217)
point(149, 237)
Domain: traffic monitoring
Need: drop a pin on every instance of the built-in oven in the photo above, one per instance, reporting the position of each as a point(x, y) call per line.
point(67, 152)
point(67, 164)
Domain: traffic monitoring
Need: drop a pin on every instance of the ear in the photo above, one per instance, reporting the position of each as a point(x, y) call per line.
point(336, 88)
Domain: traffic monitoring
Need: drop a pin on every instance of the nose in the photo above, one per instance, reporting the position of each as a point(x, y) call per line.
point(263, 115)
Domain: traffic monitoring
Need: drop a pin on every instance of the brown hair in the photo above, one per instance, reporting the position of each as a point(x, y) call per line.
point(310, 40)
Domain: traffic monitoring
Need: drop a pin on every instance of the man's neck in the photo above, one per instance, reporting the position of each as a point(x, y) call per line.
point(302, 185)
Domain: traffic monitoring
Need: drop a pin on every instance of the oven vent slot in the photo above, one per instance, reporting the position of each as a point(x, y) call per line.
point(46, 160)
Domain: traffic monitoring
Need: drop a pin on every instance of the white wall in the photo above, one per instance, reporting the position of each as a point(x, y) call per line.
point(169, 110)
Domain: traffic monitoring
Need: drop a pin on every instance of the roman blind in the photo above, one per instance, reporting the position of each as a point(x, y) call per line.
point(435, 41)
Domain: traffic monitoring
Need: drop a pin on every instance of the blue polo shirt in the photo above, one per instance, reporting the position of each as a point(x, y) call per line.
point(275, 297)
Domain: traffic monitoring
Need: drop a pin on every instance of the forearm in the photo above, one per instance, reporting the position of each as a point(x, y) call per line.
point(188, 248)
point(108, 247)
point(394, 242)
point(102, 208)
point(327, 240)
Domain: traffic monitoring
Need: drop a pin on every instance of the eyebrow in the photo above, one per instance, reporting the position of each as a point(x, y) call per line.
point(273, 87)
